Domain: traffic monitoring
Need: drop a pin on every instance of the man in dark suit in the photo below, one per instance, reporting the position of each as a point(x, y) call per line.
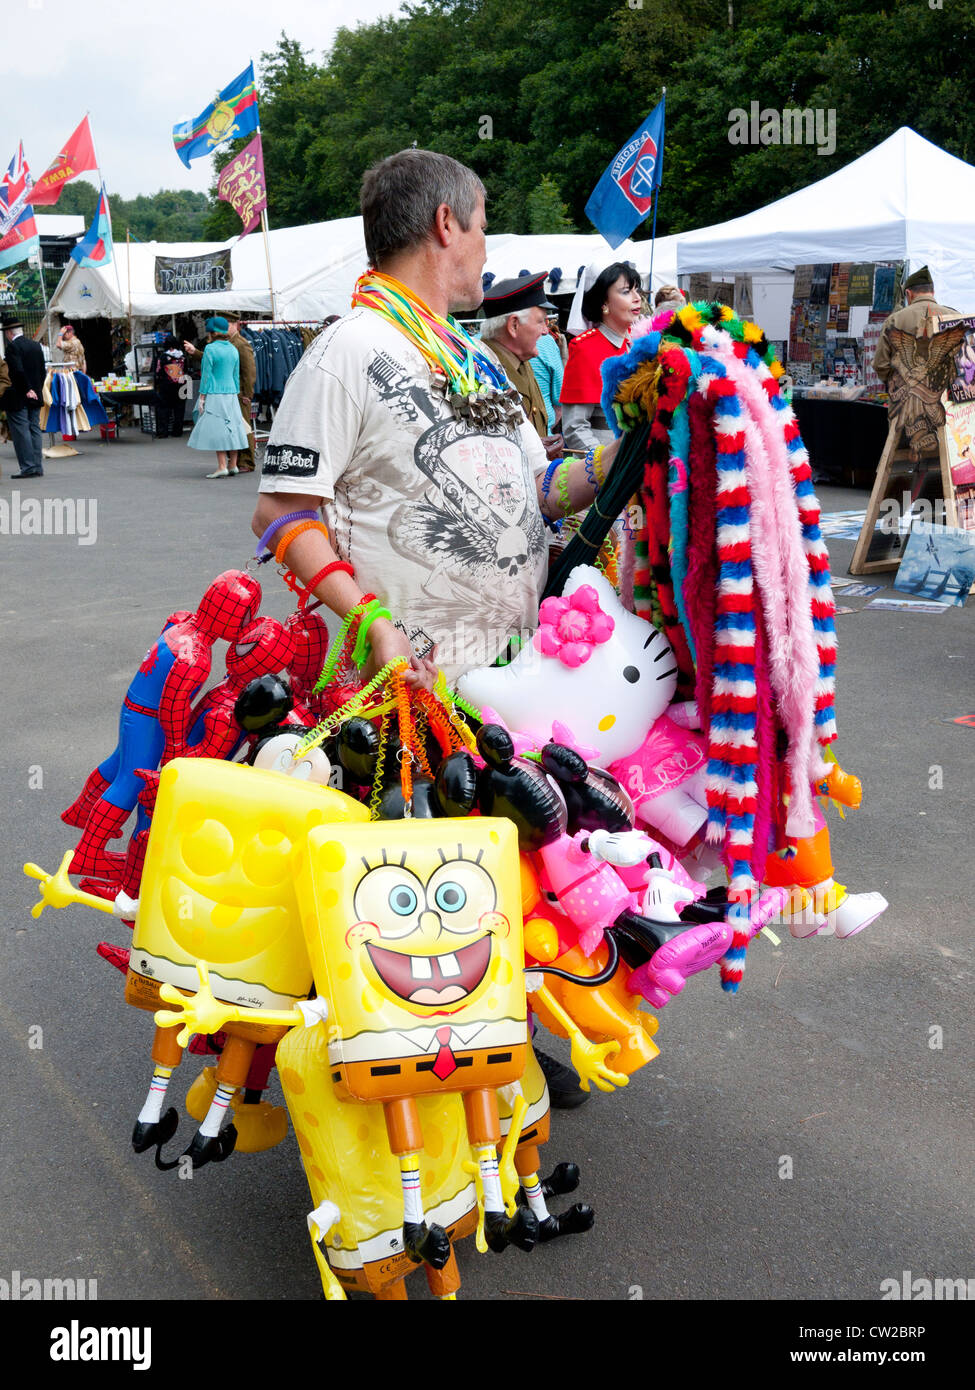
point(22, 402)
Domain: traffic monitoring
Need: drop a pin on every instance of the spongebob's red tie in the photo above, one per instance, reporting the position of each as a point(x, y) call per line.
point(444, 1064)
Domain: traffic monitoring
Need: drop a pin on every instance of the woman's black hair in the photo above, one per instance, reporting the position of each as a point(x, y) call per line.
point(596, 296)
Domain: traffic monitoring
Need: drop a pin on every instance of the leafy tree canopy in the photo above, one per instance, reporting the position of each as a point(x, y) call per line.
point(537, 96)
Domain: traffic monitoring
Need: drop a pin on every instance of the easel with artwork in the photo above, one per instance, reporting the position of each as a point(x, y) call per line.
point(901, 471)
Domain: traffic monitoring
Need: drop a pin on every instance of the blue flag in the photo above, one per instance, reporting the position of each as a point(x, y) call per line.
point(623, 196)
point(233, 112)
point(95, 247)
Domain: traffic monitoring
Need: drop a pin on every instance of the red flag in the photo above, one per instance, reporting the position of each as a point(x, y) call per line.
point(77, 156)
point(242, 184)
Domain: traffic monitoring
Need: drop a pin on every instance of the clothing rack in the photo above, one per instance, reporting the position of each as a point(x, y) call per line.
point(283, 323)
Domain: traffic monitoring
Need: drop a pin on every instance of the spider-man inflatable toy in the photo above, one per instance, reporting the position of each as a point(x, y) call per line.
point(311, 648)
point(264, 647)
point(156, 716)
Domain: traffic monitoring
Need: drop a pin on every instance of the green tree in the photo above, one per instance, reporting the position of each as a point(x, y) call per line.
point(538, 95)
point(169, 215)
point(546, 211)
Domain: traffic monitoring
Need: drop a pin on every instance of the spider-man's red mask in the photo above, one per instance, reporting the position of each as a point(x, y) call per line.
point(264, 647)
point(229, 604)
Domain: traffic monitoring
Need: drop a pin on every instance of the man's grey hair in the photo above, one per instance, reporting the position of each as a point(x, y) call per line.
point(400, 197)
point(494, 328)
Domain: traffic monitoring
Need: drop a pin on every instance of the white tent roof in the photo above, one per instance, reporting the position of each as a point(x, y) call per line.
point(570, 252)
point(906, 199)
point(315, 269)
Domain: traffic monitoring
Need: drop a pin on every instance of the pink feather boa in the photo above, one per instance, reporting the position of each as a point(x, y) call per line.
point(782, 576)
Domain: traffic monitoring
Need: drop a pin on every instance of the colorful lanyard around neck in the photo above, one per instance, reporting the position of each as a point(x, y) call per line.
point(444, 344)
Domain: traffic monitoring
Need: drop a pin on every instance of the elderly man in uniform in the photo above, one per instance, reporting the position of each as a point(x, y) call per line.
point(921, 305)
point(515, 318)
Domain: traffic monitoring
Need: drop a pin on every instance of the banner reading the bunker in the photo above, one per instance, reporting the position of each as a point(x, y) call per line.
point(194, 275)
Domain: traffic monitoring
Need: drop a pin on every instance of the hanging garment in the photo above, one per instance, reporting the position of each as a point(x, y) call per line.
point(93, 407)
point(71, 403)
point(277, 351)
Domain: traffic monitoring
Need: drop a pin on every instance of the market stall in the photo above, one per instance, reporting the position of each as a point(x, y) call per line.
point(848, 240)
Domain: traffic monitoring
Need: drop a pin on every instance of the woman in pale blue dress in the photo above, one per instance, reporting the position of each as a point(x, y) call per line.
point(219, 425)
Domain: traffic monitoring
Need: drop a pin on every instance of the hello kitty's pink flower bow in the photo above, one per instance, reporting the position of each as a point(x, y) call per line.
point(571, 627)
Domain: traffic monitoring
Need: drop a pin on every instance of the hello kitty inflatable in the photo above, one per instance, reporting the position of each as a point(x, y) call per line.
point(609, 677)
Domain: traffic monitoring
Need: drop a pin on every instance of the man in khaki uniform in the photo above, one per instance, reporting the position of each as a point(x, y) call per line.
point(514, 320)
point(921, 305)
point(72, 348)
point(248, 376)
point(916, 364)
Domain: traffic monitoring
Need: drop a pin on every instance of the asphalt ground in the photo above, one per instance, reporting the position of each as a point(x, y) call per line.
point(846, 1063)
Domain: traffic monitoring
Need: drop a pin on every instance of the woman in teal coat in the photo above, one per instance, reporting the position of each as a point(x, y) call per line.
point(219, 424)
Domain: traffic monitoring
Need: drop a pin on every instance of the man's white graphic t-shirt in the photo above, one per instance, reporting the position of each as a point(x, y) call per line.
point(437, 515)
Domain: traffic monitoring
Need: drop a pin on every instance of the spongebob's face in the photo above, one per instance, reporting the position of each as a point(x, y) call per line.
point(415, 918)
point(428, 938)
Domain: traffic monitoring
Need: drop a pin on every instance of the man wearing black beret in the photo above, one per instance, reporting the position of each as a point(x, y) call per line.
point(514, 320)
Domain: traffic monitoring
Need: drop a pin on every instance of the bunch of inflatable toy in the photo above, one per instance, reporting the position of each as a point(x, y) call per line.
point(535, 847)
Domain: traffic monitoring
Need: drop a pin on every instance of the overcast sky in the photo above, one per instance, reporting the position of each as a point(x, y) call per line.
point(138, 68)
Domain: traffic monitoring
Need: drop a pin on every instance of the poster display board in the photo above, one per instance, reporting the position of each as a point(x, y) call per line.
point(820, 342)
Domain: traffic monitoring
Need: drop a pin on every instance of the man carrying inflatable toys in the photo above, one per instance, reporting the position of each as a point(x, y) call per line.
point(406, 436)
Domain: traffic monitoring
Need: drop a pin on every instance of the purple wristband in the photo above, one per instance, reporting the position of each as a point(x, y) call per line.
point(263, 553)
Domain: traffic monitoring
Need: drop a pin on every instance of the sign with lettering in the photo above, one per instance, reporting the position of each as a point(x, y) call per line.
point(193, 275)
point(861, 285)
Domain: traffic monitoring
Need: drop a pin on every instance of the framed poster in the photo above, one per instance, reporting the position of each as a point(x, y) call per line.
point(962, 386)
point(938, 564)
point(960, 439)
point(802, 281)
point(861, 285)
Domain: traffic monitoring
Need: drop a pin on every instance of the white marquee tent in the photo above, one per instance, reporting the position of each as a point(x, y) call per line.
point(906, 199)
point(314, 270)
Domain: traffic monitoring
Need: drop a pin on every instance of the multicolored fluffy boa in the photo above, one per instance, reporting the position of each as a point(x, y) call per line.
point(765, 638)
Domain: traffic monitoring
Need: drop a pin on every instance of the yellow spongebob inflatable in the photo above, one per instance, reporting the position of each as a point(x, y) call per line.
point(415, 936)
point(411, 1062)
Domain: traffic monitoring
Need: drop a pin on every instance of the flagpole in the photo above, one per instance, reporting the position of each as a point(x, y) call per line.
point(128, 270)
point(47, 315)
point(264, 225)
point(656, 197)
point(267, 254)
point(108, 213)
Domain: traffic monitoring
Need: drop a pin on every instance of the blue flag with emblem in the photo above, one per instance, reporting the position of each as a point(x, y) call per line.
point(623, 197)
point(232, 112)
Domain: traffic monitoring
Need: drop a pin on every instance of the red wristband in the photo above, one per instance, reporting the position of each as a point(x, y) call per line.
point(366, 598)
point(333, 568)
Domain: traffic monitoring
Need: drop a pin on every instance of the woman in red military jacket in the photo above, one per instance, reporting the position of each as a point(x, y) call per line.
point(609, 305)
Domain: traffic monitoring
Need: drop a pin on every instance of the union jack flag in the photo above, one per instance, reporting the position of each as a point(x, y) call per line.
point(18, 229)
